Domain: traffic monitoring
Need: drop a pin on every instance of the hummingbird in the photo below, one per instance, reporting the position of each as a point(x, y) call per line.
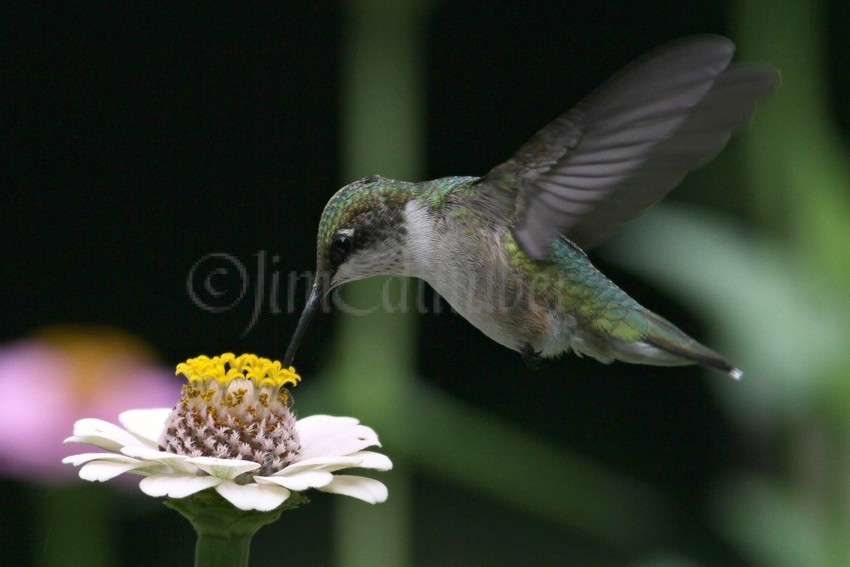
point(507, 250)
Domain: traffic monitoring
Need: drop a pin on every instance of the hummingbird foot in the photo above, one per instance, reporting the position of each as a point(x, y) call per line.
point(531, 357)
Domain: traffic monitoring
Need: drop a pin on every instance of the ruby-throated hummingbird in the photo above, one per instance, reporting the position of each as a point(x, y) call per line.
point(506, 249)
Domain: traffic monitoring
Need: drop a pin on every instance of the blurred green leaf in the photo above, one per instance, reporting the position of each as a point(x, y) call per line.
point(786, 335)
point(769, 526)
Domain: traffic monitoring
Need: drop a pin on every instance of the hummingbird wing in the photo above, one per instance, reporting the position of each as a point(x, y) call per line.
point(627, 144)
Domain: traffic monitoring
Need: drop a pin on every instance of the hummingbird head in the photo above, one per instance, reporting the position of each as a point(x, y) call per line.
point(361, 234)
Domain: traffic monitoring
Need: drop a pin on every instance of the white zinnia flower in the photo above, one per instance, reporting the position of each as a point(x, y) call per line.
point(233, 431)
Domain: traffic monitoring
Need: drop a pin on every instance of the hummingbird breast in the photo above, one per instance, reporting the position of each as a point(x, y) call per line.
point(466, 258)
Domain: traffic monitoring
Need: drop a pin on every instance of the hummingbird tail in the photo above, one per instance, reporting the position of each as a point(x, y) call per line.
point(664, 335)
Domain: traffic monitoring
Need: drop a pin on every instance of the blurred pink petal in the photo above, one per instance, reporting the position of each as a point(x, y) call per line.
point(48, 384)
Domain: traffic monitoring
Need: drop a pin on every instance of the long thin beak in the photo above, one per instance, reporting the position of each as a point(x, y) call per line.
point(310, 309)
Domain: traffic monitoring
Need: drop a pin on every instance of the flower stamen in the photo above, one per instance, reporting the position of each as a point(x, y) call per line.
point(234, 407)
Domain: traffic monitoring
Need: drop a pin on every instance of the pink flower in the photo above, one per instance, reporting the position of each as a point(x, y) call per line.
point(48, 382)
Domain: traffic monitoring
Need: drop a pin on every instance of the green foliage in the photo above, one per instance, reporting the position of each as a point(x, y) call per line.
point(779, 296)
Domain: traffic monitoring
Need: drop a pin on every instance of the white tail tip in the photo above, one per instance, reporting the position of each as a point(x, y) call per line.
point(736, 374)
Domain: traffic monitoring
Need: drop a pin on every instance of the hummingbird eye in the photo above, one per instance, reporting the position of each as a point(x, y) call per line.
point(341, 246)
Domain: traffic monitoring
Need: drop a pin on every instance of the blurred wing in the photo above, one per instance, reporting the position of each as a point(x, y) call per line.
point(629, 142)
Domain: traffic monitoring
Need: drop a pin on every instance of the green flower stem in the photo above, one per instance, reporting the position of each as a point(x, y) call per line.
point(219, 548)
point(225, 532)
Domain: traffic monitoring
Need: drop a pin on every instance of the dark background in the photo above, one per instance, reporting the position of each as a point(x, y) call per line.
point(137, 139)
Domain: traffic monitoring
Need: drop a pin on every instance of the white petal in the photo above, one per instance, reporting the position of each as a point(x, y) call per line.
point(322, 463)
point(145, 423)
point(321, 420)
point(103, 434)
point(101, 471)
point(366, 489)
point(324, 435)
point(298, 481)
point(226, 469)
point(360, 459)
point(176, 485)
point(373, 460)
point(150, 454)
point(78, 460)
point(173, 462)
point(262, 497)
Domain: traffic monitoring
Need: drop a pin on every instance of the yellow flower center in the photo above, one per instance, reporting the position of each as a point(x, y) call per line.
point(266, 375)
point(234, 407)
